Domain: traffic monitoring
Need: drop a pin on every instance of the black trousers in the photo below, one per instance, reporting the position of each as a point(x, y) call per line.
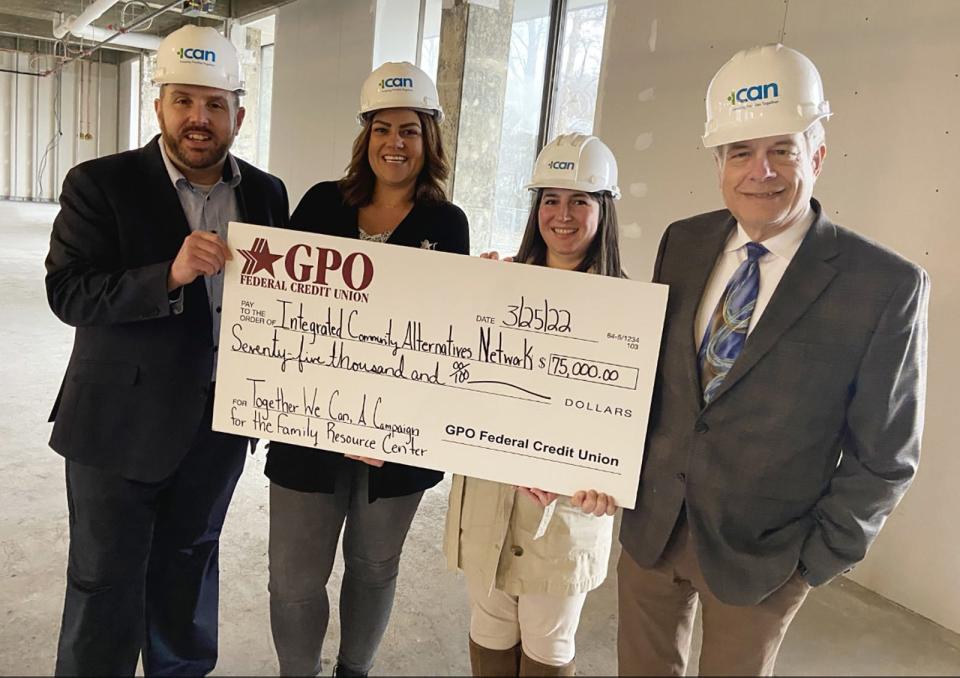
point(143, 572)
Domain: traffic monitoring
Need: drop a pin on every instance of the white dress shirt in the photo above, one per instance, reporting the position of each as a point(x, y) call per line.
point(782, 247)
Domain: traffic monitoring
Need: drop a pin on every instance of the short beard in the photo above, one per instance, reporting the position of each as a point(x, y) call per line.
point(209, 159)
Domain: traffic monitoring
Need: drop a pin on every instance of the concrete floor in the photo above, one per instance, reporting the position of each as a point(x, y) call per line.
point(843, 629)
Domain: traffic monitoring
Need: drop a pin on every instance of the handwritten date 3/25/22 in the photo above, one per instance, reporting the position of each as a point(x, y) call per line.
point(539, 318)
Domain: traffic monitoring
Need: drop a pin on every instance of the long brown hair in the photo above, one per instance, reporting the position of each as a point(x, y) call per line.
point(357, 186)
point(603, 254)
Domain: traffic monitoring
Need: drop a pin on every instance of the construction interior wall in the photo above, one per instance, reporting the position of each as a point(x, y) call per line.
point(395, 34)
point(892, 76)
point(128, 104)
point(324, 51)
point(80, 101)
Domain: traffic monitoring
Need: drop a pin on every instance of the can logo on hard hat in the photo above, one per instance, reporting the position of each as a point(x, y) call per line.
point(754, 93)
point(197, 55)
point(393, 84)
point(561, 164)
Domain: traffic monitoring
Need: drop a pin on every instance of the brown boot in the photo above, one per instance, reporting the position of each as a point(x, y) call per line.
point(529, 667)
point(494, 663)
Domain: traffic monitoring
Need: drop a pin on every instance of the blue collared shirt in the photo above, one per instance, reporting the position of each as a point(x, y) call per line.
point(208, 211)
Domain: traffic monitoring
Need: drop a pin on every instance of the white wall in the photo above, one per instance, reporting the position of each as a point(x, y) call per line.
point(892, 75)
point(395, 37)
point(128, 104)
point(324, 51)
point(27, 123)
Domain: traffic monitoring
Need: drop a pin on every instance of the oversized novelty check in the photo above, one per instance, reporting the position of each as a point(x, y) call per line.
point(519, 374)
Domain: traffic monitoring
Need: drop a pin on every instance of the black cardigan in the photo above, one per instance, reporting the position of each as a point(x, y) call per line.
point(442, 227)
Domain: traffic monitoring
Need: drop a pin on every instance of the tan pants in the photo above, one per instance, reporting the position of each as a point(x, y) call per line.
point(657, 608)
point(546, 625)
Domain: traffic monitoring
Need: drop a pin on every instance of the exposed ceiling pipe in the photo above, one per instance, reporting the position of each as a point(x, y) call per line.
point(113, 37)
point(138, 40)
point(94, 11)
point(80, 26)
point(50, 38)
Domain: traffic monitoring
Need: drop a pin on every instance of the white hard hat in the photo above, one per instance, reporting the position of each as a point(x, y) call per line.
point(192, 55)
point(578, 162)
point(763, 92)
point(399, 84)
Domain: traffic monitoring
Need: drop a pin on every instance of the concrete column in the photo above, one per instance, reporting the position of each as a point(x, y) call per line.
point(247, 41)
point(148, 93)
point(453, 54)
point(472, 79)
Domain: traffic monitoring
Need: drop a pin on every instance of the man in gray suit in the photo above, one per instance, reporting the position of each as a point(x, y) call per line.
point(788, 406)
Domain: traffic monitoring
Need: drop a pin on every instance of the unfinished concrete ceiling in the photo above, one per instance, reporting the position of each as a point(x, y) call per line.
point(36, 18)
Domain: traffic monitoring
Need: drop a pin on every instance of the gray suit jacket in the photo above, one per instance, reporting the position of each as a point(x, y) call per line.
point(815, 434)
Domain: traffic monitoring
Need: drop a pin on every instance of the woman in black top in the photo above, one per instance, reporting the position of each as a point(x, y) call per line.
point(393, 192)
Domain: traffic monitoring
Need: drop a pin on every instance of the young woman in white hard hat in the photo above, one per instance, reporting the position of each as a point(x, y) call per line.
point(527, 592)
point(393, 192)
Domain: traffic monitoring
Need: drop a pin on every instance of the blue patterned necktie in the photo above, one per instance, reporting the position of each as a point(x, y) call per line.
point(727, 330)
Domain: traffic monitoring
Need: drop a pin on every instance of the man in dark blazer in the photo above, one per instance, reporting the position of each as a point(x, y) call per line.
point(135, 264)
point(788, 404)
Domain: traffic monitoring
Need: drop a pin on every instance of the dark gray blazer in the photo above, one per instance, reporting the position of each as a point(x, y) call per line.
point(815, 434)
point(138, 377)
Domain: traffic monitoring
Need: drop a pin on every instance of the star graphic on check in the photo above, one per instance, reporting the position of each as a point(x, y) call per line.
point(259, 258)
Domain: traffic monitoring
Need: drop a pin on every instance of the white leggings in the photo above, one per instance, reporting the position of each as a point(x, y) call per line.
point(545, 624)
